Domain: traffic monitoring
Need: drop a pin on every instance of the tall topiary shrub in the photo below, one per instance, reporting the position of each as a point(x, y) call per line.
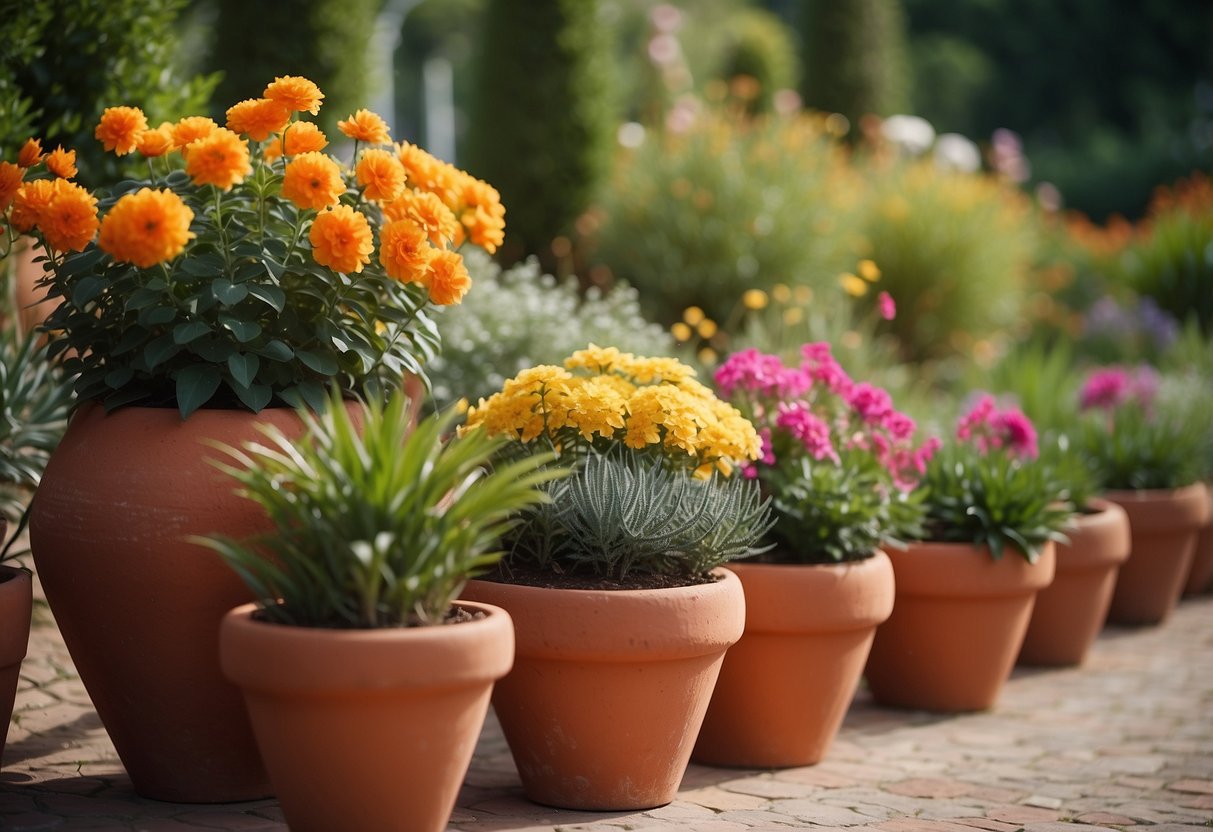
point(854, 57)
point(326, 41)
point(542, 117)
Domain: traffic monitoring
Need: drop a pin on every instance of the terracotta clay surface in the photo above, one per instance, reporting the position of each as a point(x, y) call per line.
point(16, 607)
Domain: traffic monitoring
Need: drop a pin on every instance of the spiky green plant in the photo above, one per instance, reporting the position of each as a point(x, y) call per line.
point(1136, 446)
point(620, 514)
point(375, 523)
point(34, 401)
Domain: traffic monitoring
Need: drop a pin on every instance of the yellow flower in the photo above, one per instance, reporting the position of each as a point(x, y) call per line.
point(301, 137)
point(365, 126)
point(29, 202)
point(597, 359)
point(119, 128)
point(220, 159)
point(380, 174)
point(69, 221)
point(155, 142)
point(11, 177)
point(62, 163)
point(869, 271)
point(707, 328)
point(793, 315)
point(693, 315)
point(681, 332)
point(644, 370)
point(341, 239)
point(596, 407)
point(754, 299)
point(404, 250)
point(146, 228)
point(781, 293)
point(295, 93)
point(446, 278)
point(313, 180)
point(852, 285)
point(258, 118)
point(191, 129)
point(31, 153)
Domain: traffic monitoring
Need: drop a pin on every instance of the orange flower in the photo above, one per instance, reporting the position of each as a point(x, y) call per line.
point(428, 211)
point(313, 180)
point(220, 159)
point(69, 221)
point(62, 162)
point(146, 228)
point(381, 174)
point(258, 118)
point(120, 128)
point(341, 239)
point(447, 278)
point(404, 250)
point(483, 214)
point(29, 203)
point(31, 153)
point(156, 142)
point(295, 93)
point(301, 137)
point(429, 173)
point(10, 182)
point(365, 126)
point(191, 129)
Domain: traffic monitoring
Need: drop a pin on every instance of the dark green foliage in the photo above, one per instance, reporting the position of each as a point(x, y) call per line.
point(855, 60)
point(1135, 447)
point(758, 46)
point(326, 41)
point(542, 118)
point(65, 61)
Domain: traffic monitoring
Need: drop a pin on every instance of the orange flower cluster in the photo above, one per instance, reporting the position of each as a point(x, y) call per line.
point(146, 228)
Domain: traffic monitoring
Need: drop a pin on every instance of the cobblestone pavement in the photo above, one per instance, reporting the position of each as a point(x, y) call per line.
point(1125, 741)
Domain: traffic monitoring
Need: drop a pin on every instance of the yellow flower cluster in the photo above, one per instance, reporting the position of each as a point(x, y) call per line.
point(601, 396)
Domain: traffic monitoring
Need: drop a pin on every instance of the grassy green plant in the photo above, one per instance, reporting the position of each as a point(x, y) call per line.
point(1138, 446)
point(1041, 376)
point(375, 523)
point(35, 398)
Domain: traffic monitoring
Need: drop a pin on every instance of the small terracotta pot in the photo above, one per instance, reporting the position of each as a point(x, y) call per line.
point(1163, 524)
point(1200, 576)
point(1070, 612)
point(785, 686)
point(16, 607)
point(957, 625)
point(609, 688)
point(367, 729)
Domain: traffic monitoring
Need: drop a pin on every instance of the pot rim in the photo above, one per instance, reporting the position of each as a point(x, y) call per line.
point(934, 568)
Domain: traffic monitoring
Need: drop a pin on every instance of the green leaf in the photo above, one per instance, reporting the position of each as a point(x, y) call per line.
point(228, 293)
point(119, 377)
point(157, 316)
point(142, 298)
point(195, 387)
point(271, 295)
point(326, 365)
point(273, 268)
point(161, 349)
point(244, 331)
point(204, 265)
point(243, 367)
point(190, 331)
point(255, 397)
point(276, 351)
point(86, 289)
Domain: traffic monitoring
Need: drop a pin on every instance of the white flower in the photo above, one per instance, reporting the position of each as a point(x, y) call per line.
point(955, 152)
point(913, 134)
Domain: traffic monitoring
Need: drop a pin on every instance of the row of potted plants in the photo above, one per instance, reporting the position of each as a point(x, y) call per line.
point(244, 486)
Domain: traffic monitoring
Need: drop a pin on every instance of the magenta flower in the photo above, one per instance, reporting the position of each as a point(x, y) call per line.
point(989, 428)
point(888, 309)
point(873, 404)
point(1107, 388)
point(813, 432)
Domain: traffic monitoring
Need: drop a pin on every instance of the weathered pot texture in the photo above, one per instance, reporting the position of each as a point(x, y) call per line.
point(1070, 612)
point(1163, 525)
point(609, 688)
point(958, 622)
point(367, 729)
point(16, 607)
point(785, 687)
point(1200, 575)
point(138, 605)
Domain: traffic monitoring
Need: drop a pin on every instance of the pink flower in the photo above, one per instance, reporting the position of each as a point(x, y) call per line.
point(822, 366)
point(900, 426)
point(757, 372)
point(812, 431)
point(873, 404)
point(1018, 432)
point(989, 428)
point(888, 309)
point(1107, 388)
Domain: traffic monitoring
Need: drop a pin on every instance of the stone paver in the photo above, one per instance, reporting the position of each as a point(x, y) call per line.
point(1125, 742)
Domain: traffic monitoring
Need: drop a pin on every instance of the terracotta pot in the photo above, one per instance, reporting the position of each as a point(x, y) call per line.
point(139, 606)
point(958, 621)
point(367, 729)
point(16, 607)
point(785, 686)
point(609, 688)
point(1163, 525)
point(1200, 575)
point(1070, 612)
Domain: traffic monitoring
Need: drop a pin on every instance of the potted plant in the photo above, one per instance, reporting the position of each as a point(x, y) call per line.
point(621, 612)
point(840, 464)
point(34, 400)
point(366, 682)
point(248, 272)
point(965, 592)
point(1147, 453)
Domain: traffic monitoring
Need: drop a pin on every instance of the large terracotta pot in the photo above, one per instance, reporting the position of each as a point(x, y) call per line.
point(1070, 612)
point(138, 605)
point(958, 621)
point(16, 607)
point(609, 688)
point(367, 729)
point(785, 686)
point(1163, 524)
point(1200, 575)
